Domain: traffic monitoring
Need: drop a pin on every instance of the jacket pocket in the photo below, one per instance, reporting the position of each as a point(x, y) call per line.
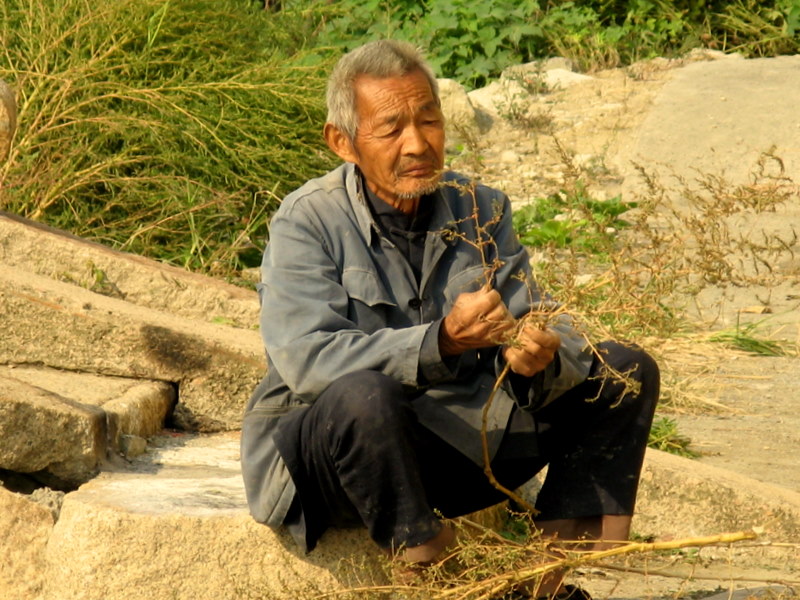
point(370, 303)
point(469, 280)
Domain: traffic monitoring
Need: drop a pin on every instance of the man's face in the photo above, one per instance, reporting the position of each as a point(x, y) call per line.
point(399, 145)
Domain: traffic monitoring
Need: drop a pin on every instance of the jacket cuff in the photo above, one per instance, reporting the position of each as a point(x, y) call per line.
point(433, 368)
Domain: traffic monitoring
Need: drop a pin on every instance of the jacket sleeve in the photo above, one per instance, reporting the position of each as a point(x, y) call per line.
point(304, 315)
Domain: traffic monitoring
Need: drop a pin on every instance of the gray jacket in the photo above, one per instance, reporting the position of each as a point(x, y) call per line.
point(338, 297)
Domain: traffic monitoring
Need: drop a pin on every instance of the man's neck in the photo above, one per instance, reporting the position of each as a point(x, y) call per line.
point(406, 205)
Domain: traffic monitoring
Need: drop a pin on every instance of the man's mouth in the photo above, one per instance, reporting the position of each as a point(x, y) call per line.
point(421, 171)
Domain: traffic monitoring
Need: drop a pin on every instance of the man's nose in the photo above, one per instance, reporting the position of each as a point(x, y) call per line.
point(414, 141)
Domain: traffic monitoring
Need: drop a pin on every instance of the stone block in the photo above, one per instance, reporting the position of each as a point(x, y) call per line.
point(42, 431)
point(43, 250)
point(684, 498)
point(65, 423)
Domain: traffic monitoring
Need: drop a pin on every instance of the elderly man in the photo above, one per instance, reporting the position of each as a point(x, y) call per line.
point(393, 294)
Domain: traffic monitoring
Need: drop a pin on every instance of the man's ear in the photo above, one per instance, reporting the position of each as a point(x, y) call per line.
point(339, 143)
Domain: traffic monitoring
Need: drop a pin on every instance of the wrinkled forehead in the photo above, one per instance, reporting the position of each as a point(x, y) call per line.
point(390, 97)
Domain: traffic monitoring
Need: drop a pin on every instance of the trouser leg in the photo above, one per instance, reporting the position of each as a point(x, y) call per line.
point(357, 450)
point(594, 438)
point(366, 459)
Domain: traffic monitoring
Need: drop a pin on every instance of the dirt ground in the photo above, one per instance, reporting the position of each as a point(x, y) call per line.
point(674, 116)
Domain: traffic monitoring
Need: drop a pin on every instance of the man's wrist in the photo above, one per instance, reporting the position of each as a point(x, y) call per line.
point(447, 346)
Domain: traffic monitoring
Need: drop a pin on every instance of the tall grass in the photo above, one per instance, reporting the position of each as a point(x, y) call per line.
point(163, 127)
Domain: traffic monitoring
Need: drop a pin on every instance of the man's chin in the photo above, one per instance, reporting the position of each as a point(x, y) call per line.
point(421, 188)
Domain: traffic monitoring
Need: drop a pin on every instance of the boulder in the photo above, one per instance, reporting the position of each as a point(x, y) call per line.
point(213, 367)
point(544, 76)
point(462, 120)
point(8, 118)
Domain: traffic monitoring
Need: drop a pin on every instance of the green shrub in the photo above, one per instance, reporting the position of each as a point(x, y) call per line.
point(163, 127)
point(464, 40)
point(474, 41)
point(571, 219)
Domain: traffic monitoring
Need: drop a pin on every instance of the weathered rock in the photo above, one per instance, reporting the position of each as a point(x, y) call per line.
point(66, 423)
point(545, 75)
point(718, 117)
point(215, 367)
point(135, 407)
point(56, 254)
point(8, 118)
point(176, 525)
point(25, 527)
point(462, 120)
point(495, 98)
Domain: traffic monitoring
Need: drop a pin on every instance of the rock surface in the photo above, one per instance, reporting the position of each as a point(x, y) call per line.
point(174, 524)
point(215, 367)
point(36, 248)
point(25, 527)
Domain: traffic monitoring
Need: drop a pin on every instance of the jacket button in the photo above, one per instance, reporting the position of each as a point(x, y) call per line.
point(415, 303)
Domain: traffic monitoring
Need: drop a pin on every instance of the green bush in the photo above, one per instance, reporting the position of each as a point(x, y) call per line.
point(474, 41)
point(465, 40)
point(571, 219)
point(163, 127)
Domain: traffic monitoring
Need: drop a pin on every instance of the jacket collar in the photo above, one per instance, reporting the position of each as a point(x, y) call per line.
point(441, 220)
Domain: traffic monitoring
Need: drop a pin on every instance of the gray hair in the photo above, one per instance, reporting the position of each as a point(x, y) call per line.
point(382, 58)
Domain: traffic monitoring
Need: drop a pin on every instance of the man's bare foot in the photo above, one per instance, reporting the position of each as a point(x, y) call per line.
point(429, 551)
point(410, 562)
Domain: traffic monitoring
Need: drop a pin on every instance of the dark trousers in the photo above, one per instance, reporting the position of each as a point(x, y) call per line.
point(359, 456)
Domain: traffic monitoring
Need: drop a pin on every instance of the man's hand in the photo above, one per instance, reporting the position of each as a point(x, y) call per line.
point(477, 320)
point(535, 349)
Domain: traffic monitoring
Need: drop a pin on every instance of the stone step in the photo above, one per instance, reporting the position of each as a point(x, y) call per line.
point(59, 255)
point(173, 524)
point(62, 425)
point(214, 367)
